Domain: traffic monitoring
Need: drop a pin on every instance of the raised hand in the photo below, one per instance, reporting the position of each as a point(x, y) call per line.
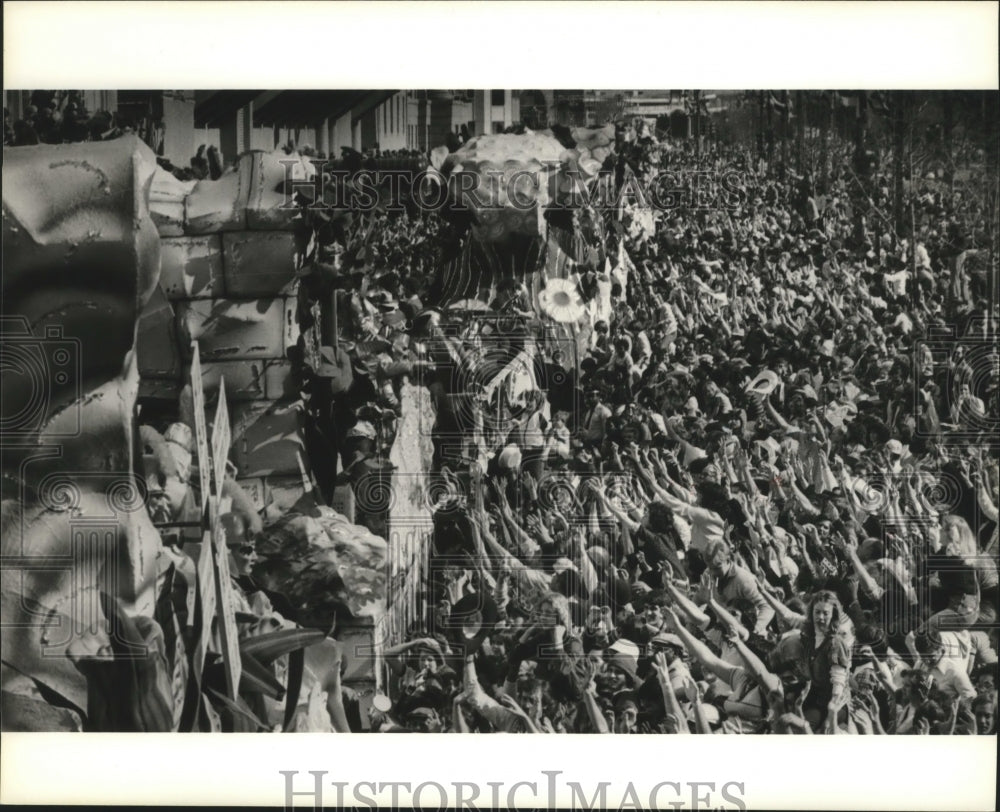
point(456, 589)
point(661, 668)
point(558, 521)
point(429, 642)
point(511, 704)
point(673, 621)
point(707, 584)
point(532, 485)
point(692, 689)
point(731, 631)
point(597, 487)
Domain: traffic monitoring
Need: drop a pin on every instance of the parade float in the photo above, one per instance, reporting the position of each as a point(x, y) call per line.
point(145, 317)
point(159, 336)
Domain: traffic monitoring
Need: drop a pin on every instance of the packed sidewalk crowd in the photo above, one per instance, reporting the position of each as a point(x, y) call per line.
point(776, 511)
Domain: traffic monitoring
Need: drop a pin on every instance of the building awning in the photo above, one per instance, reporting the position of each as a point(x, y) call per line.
point(304, 107)
point(285, 108)
point(215, 107)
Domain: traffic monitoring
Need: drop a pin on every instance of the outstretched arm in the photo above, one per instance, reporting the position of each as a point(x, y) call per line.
point(519, 535)
point(647, 476)
point(727, 619)
point(597, 719)
point(785, 615)
point(670, 702)
point(679, 491)
point(775, 415)
point(497, 549)
point(768, 682)
point(800, 497)
point(624, 519)
point(697, 649)
point(700, 719)
point(476, 698)
point(688, 607)
point(869, 583)
point(982, 493)
point(585, 566)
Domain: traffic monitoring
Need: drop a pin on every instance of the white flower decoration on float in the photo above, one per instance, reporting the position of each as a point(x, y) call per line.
point(561, 301)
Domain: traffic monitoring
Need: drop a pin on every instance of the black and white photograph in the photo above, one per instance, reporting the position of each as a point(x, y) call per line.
point(667, 412)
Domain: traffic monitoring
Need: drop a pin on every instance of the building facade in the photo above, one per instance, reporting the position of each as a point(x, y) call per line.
point(177, 123)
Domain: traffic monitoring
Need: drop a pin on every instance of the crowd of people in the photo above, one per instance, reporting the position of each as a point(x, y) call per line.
point(775, 510)
point(62, 117)
point(769, 504)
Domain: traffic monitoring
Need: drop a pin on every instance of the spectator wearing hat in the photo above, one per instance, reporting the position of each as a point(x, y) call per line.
point(423, 720)
point(673, 651)
point(622, 664)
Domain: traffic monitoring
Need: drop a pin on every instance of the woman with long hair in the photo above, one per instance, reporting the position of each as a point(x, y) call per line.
point(827, 658)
